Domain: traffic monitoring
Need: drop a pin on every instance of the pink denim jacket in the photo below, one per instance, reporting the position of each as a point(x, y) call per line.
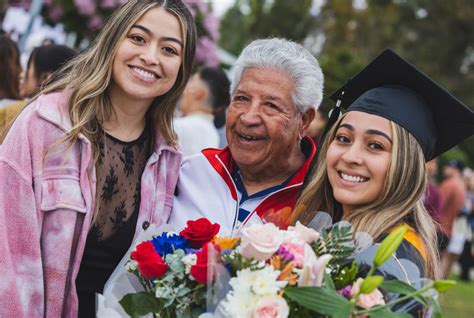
point(47, 195)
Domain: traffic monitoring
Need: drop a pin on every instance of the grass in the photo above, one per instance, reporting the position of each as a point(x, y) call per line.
point(458, 302)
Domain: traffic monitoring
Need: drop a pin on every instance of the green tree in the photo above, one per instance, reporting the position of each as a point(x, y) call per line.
point(251, 19)
point(436, 36)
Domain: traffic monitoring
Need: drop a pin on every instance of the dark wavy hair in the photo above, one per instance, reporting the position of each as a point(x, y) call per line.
point(219, 86)
point(10, 68)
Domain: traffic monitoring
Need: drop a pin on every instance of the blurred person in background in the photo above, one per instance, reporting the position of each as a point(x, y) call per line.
point(10, 70)
point(467, 220)
point(453, 197)
point(43, 62)
point(206, 94)
point(316, 127)
point(219, 121)
point(432, 198)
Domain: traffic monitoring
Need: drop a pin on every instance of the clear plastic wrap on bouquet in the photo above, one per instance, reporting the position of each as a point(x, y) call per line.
point(122, 282)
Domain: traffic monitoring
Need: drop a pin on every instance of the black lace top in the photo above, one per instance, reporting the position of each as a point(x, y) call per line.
point(119, 172)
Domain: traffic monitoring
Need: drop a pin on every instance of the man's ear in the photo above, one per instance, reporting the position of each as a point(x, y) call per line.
point(307, 118)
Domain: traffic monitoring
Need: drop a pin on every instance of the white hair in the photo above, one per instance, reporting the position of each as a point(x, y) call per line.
point(289, 57)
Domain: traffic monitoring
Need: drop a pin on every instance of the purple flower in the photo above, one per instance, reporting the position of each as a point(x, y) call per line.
point(108, 4)
point(190, 250)
point(206, 52)
point(55, 12)
point(94, 22)
point(286, 256)
point(198, 5)
point(85, 7)
point(345, 292)
point(211, 24)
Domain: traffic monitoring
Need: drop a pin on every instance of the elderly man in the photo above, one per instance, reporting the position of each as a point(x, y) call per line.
point(276, 86)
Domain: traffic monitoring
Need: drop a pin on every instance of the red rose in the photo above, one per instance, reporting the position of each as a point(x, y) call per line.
point(150, 263)
point(200, 232)
point(199, 270)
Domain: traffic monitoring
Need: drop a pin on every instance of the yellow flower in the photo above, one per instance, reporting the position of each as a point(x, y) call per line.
point(225, 242)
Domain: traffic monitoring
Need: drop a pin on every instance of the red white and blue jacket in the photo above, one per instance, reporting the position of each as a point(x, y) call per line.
point(207, 189)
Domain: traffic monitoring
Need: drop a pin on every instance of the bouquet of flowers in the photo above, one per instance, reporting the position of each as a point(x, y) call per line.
point(269, 272)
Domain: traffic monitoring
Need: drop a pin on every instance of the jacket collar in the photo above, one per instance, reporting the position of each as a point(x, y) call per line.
point(308, 147)
point(53, 107)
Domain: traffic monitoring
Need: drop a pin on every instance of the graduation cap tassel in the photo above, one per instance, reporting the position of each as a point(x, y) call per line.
point(333, 117)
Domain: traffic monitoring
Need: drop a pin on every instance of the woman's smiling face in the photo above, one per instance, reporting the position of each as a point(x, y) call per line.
point(358, 159)
point(148, 59)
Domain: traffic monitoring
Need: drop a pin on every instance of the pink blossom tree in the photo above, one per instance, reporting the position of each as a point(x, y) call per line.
point(86, 17)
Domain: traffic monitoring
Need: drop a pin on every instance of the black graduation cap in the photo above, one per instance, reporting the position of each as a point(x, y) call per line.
point(393, 88)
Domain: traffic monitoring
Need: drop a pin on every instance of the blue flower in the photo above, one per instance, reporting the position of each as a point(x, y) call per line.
point(168, 243)
point(191, 250)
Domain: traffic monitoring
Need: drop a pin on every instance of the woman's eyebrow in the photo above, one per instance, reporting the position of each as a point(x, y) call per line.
point(141, 27)
point(369, 131)
point(350, 127)
point(150, 33)
point(379, 133)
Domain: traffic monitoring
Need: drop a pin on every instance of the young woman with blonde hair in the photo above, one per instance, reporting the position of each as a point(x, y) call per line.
point(91, 161)
point(371, 166)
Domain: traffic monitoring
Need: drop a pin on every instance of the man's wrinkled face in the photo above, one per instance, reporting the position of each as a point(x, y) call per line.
point(263, 124)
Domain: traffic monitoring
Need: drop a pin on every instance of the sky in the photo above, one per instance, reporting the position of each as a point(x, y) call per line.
point(221, 6)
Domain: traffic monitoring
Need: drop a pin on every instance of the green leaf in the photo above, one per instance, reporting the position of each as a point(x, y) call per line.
point(345, 311)
point(346, 276)
point(389, 245)
point(385, 313)
point(370, 283)
point(140, 304)
point(435, 307)
point(443, 285)
point(320, 300)
point(399, 287)
point(328, 281)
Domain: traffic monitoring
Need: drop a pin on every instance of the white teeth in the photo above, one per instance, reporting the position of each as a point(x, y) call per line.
point(353, 178)
point(144, 73)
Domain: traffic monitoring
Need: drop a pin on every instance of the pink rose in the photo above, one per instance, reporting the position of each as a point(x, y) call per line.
point(367, 301)
point(304, 233)
point(271, 307)
point(260, 241)
point(297, 250)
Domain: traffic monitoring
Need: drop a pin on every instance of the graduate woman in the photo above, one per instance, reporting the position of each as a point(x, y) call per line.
point(91, 161)
point(371, 168)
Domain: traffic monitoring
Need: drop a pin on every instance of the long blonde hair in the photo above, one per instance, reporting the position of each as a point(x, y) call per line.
point(89, 74)
point(399, 202)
